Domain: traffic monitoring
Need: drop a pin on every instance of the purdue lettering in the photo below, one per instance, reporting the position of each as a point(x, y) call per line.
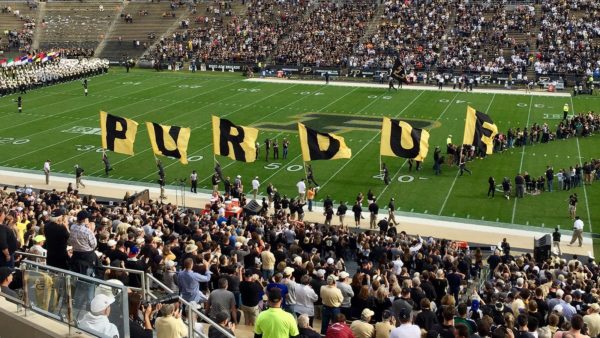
point(403, 137)
point(317, 141)
point(226, 137)
point(160, 140)
point(116, 128)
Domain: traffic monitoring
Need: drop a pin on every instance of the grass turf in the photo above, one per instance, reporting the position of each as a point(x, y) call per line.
point(48, 129)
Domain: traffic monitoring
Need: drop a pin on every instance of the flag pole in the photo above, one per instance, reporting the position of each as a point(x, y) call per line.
point(305, 172)
point(380, 166)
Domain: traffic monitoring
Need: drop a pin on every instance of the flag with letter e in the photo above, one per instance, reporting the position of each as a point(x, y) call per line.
point(480, 131)
point(236, 142)
point(400, 139)
point(118, 133)
point(170, 141)
point(321, 146)
point(398, 71)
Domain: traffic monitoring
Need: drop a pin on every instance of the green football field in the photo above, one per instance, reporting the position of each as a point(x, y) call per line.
point(61, 124)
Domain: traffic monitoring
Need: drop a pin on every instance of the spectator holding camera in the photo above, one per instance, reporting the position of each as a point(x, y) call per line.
point(140, 327)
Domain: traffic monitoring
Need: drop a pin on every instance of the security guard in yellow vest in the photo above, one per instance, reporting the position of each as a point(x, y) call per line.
point(565, 111)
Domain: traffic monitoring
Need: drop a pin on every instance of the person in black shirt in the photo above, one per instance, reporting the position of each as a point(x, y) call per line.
point(8, 240)
point(310, 178)
point(491, 187)
point(386, 174)
point(78, 174)
point(138, 327)
point(285, 145)
point(85, 87)
point(20, 104)
point(556, 240)
point(267, 147)
point(275, 150)
point(57, 235)
point(107, 167)
point(251, 291)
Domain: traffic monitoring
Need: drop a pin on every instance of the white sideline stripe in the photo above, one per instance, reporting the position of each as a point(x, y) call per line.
point(587, 205)
point(369, 141)
point(512, 220)
point(204, 197)
point(408, 87)
point(458, 171)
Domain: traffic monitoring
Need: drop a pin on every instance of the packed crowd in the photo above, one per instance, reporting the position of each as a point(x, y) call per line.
point(19, 79)
point(258, 268)
point(17, 39)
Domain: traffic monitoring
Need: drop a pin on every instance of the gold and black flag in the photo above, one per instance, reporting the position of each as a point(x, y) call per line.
point(170, 141)
point(321, 146)
point(235, 142)
point(480, 131)
point(118, 133)
point(400, 139)
point(398, 71)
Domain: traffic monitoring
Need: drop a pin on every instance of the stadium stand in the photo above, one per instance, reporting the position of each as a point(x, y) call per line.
point(17, 25)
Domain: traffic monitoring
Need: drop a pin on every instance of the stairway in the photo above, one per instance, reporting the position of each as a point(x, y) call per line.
point(41, 8)
point(111, 28)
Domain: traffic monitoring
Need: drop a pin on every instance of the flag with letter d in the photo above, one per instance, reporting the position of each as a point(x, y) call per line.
point(236, 142)
point(118, 133)
point(321, 146)
point(170, 141)
point(400, 139)
point(480, 131)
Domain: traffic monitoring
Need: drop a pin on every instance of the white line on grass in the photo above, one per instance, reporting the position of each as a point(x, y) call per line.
point(587, 205)
point(456, 176)
point(514, 211)
point(406, 161)
point(72, 138)
point(299, 155)
point(369, 141)
point(206, 123)
point(70, 110)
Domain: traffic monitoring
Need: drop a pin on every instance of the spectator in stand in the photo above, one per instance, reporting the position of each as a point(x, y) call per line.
point(96, 320)
point(188, 282)
point(339, 328)
point(222, 300)
point(251, 291)
point(222, 319)
point(332, 299)
point(169, 324)
point(361, 328)
point(8, 239)
point(274, 322)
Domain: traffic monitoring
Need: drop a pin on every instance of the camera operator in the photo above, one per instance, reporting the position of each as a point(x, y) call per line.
point(141, 327)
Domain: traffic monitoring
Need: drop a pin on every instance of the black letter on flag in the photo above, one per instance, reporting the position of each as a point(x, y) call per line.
point(160, 140)
point(312, 137)
point(226, 137)
point(112, 132)
point(396, 141)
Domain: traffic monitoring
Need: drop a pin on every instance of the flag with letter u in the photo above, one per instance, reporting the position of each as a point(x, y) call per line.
point(400, 139)
point(170, 141)
point(118, 133)
point(480, 131)
point(236, 142)
point(321, 146)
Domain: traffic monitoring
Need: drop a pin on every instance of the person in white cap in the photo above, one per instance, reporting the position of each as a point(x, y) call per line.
point(344, 285)
point(361, 328)
point(332, 300)
point(592, 319)
point(96, 320)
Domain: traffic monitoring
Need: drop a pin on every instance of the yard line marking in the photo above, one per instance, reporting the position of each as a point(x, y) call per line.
point(72, 138)
point(59, 86)
point(369, 141)
point(295, 158)
point(514, 211)
point(458, 171)
point(204, 124)
point(76, 108)
point(587, 205)
point(406, 161)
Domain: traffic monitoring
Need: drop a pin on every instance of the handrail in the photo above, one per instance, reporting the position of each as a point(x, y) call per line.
point(143, 287)
point(28, 254)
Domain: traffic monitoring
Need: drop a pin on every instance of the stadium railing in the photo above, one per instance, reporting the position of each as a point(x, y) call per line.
point(64, 295)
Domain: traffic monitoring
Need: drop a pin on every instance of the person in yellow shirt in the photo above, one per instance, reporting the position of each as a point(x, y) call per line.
point(274, 322)
point(169, 324)
point(332, 299)
point(310, 196)
point(361, 328)
point(22, 223)
point(268, 262)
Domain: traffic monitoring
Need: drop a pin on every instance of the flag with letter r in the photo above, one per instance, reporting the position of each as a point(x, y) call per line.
point(170, 141)
point(480, 131)
point(236, 142)
point(321, 146)
point(400, 139)
point(118, 133)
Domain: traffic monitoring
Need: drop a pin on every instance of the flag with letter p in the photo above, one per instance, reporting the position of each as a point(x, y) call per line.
point(236, 142)
point(170, 141)
point(118, 133)
point(321, 146)
point(400, 139)
point(480, 131)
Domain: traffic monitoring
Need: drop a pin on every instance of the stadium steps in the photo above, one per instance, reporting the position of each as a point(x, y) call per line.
point(111, 28)
point(140, 30)
point(373, 26)
point(174, 26)
point(69, 25)
point(12, 22)
point(41, 12)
